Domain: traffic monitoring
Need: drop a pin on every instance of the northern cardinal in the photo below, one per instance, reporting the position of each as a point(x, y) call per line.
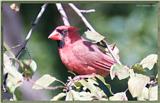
point(79, 55)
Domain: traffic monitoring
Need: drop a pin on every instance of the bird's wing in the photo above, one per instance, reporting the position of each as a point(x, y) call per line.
point(90, 55)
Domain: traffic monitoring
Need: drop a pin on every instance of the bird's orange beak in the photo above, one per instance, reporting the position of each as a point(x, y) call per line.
point(55, 36)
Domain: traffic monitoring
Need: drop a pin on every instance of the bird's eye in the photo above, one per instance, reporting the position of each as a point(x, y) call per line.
point(63, 32)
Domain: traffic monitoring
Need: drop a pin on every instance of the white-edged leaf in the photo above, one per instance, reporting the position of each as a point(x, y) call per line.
point(75, 95)
point(58, 96)
point(13, 82)
point(90, 84)
point(81, 96)
point(149, 61)
point(103, 99)
point(12, 71)
point(44, 82)
point(121, 96)
point(15, 78)
point(69, 96)
point(93, 36)
point(85, 96)
point(120, 71)
point(144, 95)
point(153, 93)
point(137, 83)
point(6, 60)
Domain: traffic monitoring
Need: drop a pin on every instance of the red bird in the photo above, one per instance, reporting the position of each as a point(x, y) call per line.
point(79, 55)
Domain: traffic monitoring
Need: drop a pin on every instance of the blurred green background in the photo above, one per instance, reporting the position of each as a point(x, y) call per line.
point(133, 27)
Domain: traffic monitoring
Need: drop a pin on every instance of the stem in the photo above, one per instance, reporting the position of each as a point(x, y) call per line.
point(87, 11)
point(110, 51)
point(60, 81)
point(63, 14)
point(36, 21)
point(126, 90)
point(43, 7)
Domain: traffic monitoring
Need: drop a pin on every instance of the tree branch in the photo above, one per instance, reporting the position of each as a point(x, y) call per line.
point(63, 14)
point(92, 29)
point(36, 21)
point(82, 17)
point(87, 11)
point(32, 28)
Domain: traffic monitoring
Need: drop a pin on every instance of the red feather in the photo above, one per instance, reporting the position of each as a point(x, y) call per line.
point(79, 55)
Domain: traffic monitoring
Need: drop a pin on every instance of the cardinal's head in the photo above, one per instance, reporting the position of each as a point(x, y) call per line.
point(63, 31)
point(65, 35)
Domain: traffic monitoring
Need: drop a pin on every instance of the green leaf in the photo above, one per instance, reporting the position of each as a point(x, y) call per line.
point(58, 96)
point(44, 82)
point(137, 83)
point(121, 96)
point(149, 61)
point(93, 36)
point(120, 71)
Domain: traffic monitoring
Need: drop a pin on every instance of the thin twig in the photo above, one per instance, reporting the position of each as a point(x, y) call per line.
point(32, 28)
point(87, 11)
point(111, 52)
point(63, 14)
point(126, 90)
point(60, 81)
point(82, 17)
point(92, 29)
point(36, 21)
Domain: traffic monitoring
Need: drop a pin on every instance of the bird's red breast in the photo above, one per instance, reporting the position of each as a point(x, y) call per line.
point(79, 55)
